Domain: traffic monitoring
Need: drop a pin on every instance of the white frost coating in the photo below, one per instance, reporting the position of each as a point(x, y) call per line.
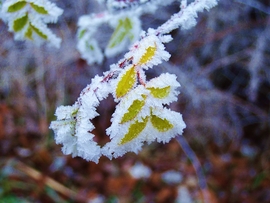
point(87, 45)
point(64, 128)
point(102, 88)
point(140, 48)
point(93, 20)
point(72, 129)
point(73, 126)
point(89, 49)
point(53, 11)
point(144, 5)
point(186, 17)
point(36, 19)
point(139, 171)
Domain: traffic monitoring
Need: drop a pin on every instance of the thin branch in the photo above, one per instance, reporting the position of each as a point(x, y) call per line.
point(255, 4)
point(38, 176)
point(196, 165)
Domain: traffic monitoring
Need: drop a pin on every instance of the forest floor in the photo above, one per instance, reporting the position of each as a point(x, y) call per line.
point(33, 169)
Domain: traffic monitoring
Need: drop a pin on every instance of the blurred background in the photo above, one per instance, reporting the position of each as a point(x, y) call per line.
point(223, 66)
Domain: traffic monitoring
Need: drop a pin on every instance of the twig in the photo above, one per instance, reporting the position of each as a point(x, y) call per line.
point(47, 180)
point(256, 4)
point(197, 166)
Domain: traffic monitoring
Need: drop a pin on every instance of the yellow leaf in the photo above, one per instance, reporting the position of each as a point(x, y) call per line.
point(126, 82)
point(162, 125)
point(133, 110)
point(148, 55)
point(134, 130)
point(160, 93)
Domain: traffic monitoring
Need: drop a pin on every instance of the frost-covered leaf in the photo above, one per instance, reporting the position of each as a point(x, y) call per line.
point(162, 125)
point(120, 32)
point(134, 130)
point(28, 20)
point(133, 110)
point(31, 29)
point(29, 33)
point(126, 82)
point(39, 32)
point(148, 52)
point(164, 88)
point(89, 48)
point(20, 23)
point(16, 7)
point(148, 55)
point(39, 9)
point(160, 93)
point(126, 30)
point(81, 33)
point(166, 124)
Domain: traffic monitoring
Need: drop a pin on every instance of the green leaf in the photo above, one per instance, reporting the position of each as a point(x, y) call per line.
point(39, 32)
point(81, 34)
point(126, 82)
point(89, 46)
point(134, 130)
point(162, 125)
point(19, 23)
point(133, 110)
point(39, 9)
point(160, 93)
point(120, 33)
point(16, 7)
point(29, 33)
